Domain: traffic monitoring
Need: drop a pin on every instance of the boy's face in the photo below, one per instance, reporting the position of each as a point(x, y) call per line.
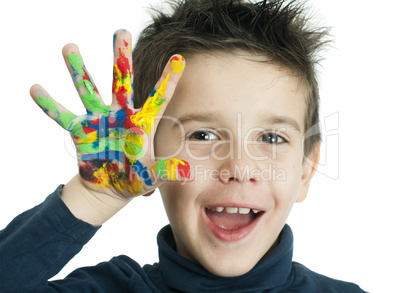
point(239, 124)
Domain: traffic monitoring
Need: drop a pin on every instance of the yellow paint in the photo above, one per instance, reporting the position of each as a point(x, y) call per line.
point(136, 184)
point(177, 64)
point(133, 144)
point(102, 177)
point(145, 119)
point(171, 167)
point(107, 178)
point(167, 168)
point(91, 137)
point(122, 80)
point(133, 185)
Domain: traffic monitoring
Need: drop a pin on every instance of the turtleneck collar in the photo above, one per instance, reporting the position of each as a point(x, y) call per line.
point(183, 275)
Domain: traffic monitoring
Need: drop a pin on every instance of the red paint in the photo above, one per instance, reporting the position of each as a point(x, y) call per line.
point(184, 170)
point(123, 65)
point(124, 121)
point(88, 130)
point(175, 58)
point(87, 170)
point(86, 76)
point(121, 99)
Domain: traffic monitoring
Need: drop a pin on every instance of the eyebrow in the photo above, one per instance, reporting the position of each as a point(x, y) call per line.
point(199, 117)
point(208, 117)
point(283, 120)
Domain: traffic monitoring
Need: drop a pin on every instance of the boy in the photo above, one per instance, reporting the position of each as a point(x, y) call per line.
point(243, 105)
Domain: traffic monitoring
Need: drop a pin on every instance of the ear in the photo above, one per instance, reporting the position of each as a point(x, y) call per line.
point(309, 167)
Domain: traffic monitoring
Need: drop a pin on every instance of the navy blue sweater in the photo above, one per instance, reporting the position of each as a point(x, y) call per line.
point(38, 243)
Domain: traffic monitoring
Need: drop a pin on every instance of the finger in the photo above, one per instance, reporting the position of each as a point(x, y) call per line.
point(122, 89)
point(53, 109)
point(84, 83)
point(154, 107)
point(172, 170)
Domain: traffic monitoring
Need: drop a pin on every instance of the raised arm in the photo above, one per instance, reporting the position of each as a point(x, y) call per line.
point(116, 164)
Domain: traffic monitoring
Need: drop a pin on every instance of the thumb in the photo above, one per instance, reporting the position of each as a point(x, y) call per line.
point(172, 170)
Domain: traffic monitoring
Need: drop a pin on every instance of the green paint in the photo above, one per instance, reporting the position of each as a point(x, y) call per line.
point(65, 119)
point(161, 168)
point(132, 149)
point(104, 144)
point(115, 144)
point(76, 130)
point(91, 102)
point(76, 62)
point(89, 88)
point(47, 104)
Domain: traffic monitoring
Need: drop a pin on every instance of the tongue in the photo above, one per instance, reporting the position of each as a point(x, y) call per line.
point(229, 221)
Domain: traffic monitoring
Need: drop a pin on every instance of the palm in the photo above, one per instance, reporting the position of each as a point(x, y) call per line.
point(112, 142)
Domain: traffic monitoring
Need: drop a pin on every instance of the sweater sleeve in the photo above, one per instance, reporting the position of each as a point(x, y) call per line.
point(37, 244)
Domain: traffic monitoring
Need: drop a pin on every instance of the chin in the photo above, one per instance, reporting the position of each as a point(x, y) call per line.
point(230, 268)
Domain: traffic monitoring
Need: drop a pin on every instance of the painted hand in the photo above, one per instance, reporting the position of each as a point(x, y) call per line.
point(114, 142)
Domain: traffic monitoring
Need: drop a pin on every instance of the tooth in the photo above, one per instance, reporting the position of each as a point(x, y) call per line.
point(256, 211)
point(244, 211)
point(219, 209)
point(231, 210)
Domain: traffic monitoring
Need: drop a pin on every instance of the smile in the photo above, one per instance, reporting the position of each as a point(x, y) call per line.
point(231, 223)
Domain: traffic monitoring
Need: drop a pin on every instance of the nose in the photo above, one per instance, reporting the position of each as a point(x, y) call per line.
point(236, 179)
point(240, 167)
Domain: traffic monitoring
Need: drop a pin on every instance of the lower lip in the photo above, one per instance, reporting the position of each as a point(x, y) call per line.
point(230, 235)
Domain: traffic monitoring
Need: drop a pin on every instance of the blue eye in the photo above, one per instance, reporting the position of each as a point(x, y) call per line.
point(272, 138)
point(202, 135)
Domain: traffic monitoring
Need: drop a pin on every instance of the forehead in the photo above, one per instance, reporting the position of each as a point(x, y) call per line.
point(222, 85)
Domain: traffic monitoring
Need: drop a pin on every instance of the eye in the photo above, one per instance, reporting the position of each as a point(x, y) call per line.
point(202, 135)
point(272, 138)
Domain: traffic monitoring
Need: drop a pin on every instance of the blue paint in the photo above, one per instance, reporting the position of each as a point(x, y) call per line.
point(153, 92)
point(103, 130)
point(102, 126)
point(121, 118)
point(90, 79)
point(75, 76)
point(142, 172)
point(107, 155)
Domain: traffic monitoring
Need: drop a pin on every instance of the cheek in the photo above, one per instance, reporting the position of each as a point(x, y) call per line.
point(287, 185)
point(161, 142)
point(177, 199)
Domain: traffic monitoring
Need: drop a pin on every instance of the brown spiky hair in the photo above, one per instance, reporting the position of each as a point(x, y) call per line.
point(277, 29)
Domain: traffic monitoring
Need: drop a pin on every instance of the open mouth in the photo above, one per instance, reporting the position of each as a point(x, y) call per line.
point(231, 223)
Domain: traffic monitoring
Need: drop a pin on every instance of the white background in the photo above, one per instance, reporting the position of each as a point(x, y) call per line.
point(349, 227)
